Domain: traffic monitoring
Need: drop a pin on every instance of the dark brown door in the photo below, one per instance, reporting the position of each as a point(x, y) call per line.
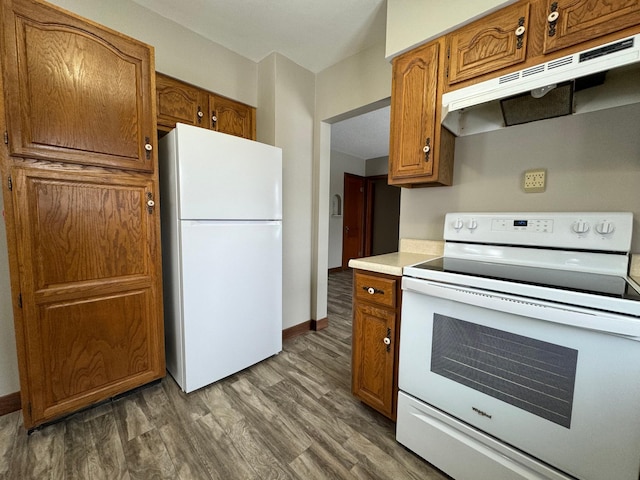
point(353, 219)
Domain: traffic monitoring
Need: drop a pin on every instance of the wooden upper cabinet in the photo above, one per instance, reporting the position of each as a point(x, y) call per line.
point(494, 42)
point(180, 102)
point(234, 118)
point(570, 22)
point(420, 150)
point(75, 91)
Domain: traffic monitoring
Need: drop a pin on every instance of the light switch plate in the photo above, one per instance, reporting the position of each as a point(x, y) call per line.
point(534, 181)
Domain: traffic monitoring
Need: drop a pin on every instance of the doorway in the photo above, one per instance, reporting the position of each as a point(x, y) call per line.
point(371, 218)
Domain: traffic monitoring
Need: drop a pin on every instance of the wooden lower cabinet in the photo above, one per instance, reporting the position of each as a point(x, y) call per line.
point(90, 286)
point(375, 340)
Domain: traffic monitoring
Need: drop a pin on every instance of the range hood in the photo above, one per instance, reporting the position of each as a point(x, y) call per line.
point(603, 77)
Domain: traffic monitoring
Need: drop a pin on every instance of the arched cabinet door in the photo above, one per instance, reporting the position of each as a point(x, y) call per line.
point(570, 22)
point(234, 118)
point(420, 149)
point(75, 91)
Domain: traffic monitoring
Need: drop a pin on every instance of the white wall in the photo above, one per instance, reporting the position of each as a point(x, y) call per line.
point(592, 162)
point(288, 91)
point(411, 22)
point(341, 163)
point(9, 381)
point(377, 166)
point(359, 83)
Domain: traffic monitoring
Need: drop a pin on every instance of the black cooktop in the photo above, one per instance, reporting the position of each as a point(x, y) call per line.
point(592, 283)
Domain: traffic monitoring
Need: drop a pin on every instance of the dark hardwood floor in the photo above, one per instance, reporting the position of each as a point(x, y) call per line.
point(290, 417)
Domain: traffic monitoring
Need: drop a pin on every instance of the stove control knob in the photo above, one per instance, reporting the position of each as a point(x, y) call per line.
point(458, 224)
point(580, 227)
point(472, 224)
point(605, 228)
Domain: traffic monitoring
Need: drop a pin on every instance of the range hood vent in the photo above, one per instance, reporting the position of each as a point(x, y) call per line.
point(524, 96)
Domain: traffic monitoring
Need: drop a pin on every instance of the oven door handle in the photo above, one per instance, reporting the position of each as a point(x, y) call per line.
point(605, 322)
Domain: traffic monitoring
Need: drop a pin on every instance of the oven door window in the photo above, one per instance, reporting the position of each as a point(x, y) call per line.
point(533, 375)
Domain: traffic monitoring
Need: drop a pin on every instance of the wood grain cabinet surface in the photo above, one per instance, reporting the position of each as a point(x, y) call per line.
point(421, 150)
point(80, 193)
point(376, 334)
point(178, 101)
point(489, 44)
point(571, 22)
point(531, 32)
point(64, 76)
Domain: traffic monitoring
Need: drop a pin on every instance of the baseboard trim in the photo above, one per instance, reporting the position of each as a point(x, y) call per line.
point(296, 330)
point(336, 269)
point(304, 327)
point(10, 403)
point(319, 324)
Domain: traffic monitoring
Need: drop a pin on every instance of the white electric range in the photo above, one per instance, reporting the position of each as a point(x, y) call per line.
point(520, 349)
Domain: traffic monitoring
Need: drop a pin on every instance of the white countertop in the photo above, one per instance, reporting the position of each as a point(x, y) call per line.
point(412, 251)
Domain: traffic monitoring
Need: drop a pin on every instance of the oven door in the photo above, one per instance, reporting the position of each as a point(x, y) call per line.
point(552, 380)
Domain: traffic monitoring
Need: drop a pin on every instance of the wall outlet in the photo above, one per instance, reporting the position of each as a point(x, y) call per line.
point(534, 181)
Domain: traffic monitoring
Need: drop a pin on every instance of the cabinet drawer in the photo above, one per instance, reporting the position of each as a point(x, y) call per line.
point(380, 290)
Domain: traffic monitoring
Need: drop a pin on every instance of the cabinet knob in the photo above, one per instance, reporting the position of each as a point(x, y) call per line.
point(372, 290)
point(148, 147)
point(387, 340)
point(520, 33)
point(552, 19)
point(427, 149)
point(214, 119)
point(200, 114)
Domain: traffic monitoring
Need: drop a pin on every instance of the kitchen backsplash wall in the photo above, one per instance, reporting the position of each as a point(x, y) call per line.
point(592, 162)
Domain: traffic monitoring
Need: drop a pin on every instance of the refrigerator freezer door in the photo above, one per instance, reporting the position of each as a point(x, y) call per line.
point(232, 289)
point(222, 177)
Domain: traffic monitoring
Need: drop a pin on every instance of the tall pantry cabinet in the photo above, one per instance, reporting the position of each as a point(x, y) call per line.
point(80, 184)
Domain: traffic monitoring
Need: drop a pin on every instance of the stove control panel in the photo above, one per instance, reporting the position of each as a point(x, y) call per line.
point(606, 231)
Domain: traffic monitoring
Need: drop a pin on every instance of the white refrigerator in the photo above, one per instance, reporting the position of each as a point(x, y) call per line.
point(221, 208)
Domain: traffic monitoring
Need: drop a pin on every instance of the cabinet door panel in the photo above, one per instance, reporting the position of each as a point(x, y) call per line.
point(413, 106)
point(90, 285)
point(582, 20)
point(75, 92)
point(180, 102)
point(489, 44)
point(234, 118)
point(373, 360)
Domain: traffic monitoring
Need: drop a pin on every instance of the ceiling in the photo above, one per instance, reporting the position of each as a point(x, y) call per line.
point(313, 34)
point(365, 136)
